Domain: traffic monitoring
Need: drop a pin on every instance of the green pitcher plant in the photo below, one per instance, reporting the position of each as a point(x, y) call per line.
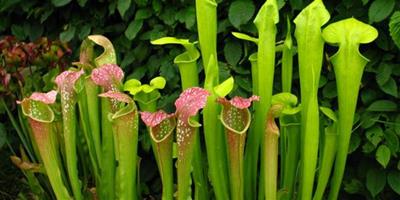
point(188, 70)
point(206, 17)
point(329, 148)
point(348, 64)
point(282, 104)
point(235, 117)
point(161, 126)
point(41, 120)
point(263, 76)
point(83, 136)
point(310, 45)
point(65, 83)
point(125, 129)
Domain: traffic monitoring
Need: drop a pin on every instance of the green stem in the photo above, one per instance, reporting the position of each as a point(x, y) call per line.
point(125, 128)
point(251, 153)
point(163, 153)
point(328, 157)
point(186, 135)
point(271, 159)
point(287, 61)
point(84, 121)
point(287, 157)
point(69, 133)
point(235, 156)
point(216, 149)
point(349, 65)
point(92, 90)
point(199, 171)
point(108, 157)
point(189, 78)
point(206, 15)
point(290, 126)
point(44, 136)
point(310, 53)
point(236, 121)
point(265, 22)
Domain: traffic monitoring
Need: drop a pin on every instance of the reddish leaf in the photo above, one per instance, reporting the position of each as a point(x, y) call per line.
point(67, 79)
point(108, 76)
point(239, 102)
point(190, 102)
point(47, 98)
point(119, 96)
point(154, 119)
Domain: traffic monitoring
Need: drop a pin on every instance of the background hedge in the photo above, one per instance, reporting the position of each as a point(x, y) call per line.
point(373, 170)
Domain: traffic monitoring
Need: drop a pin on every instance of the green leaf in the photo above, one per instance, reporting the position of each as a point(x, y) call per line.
point(225, 87)
point(133, 29)
point(68, 34)
point(46, 14)
point(158, 82)
point(380, 10)
point(393, 180)
point(59, 3)
point(365, 2)
point(329, 113)
point(392, 141)
point(368, 148)
point(390, 87)
point(133, 86)
point(383, 155)
point(382, 106)
point(394, 28)
point(3, 135)
point(82, 3)
point(243, 82)
point(246, 37)
point(187, 16)
point(355, 142)
point(368, 119)
point(376, 181)
point(84, 32)
point(18, 31)
point(141, 2)
point(374, 135)
point(123, 6)
point(397, 125)
point(384, 72)
point(170, 40)
point(297, 4)
point(354, 186)
point(143, 14)
point(240, 12)
point(35, 31)
point(233, 52)
point(329, 91)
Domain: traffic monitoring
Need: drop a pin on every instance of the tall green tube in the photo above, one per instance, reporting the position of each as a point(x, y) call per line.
point(310, 51)
point(206, 15)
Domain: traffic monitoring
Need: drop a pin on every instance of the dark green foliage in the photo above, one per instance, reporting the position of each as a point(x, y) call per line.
point(373, 165)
